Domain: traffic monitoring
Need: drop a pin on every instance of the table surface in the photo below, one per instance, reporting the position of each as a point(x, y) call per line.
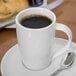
point(65, 13)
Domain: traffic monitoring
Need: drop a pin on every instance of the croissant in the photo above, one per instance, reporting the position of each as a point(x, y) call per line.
point(9, 8)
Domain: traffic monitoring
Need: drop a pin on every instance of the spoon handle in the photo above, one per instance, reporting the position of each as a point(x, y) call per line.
point(57, 72)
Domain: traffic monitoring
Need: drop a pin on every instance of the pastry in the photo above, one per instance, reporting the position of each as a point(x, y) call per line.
point(9, 8)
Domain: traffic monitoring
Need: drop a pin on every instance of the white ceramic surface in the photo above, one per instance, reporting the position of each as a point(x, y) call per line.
point(36, 44)
point(49, 6)
point(52, 5)
point(11, 64)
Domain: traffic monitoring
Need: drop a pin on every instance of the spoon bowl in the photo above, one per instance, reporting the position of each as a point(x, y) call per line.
point(66, 63)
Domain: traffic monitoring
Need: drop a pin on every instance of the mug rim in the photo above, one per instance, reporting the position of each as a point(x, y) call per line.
point(35, 8)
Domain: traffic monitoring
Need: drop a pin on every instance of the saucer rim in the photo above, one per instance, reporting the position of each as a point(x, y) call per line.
point(3, 58)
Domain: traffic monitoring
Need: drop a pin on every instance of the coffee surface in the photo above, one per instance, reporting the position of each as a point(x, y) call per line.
point(36, 21)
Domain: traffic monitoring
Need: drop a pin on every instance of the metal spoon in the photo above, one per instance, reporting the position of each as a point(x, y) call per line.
point(65, 63)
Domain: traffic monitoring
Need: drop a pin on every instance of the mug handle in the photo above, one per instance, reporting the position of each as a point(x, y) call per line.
point(54, 4)
point(66, 30)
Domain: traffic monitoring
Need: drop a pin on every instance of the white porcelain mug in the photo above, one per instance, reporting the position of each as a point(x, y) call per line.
point(51, 5)
point(36, 44)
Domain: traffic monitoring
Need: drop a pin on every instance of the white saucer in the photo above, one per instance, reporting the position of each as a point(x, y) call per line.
point(11, 64)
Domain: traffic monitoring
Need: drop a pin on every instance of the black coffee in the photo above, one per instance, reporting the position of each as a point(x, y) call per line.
point(36, 21)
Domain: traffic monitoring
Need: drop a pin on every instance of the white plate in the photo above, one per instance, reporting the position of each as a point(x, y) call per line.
point(11, 64)
point(7, 22)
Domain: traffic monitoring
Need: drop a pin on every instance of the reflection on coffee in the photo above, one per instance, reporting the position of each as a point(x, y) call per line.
point(36, 21)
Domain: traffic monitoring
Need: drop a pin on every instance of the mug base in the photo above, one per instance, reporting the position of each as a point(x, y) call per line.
point(36, 69)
